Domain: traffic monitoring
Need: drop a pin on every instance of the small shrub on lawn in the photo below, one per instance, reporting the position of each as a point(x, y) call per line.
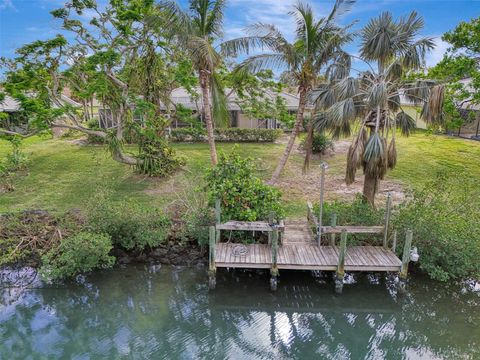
point(94, 139)
point(243, 196)
point(444, 217)
point(16, 160)
point(320, 143)
point(130, 225)
point(77, 254)
point(157, 157)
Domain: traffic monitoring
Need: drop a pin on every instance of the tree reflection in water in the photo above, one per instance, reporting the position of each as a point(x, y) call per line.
point(135, 312)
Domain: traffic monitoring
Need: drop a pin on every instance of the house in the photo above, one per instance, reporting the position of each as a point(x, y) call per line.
point(238, 118)
point(17, 122)
point(469, 111)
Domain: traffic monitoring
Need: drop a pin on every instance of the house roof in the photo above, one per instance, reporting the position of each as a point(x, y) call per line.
point(183, 97)
point(9, 104)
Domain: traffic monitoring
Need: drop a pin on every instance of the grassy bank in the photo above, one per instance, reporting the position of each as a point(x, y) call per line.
point(62, 175)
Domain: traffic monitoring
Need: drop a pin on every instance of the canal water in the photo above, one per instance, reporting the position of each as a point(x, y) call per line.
point(160, 312)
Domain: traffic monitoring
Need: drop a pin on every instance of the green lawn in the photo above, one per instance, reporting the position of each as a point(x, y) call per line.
point(62, 175)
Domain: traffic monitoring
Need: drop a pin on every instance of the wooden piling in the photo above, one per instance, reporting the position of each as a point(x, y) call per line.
point(394, 242)
point(333, 223)
point(320, 214)
point(211, 257)
point(387, 220)
point(218, 219)
point(274, 268)
point(406, 255)
point(341, 262)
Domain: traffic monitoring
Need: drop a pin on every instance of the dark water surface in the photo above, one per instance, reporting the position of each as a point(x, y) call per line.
point(158, 312)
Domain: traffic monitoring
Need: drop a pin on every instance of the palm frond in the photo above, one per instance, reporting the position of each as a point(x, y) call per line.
point(203, 53)
point(323, 96)
point(405, 122)
point(414, 56)
point(377, 95)
point(219, 102)
point(214, 21)
point(262, 61)
point(375, 157)
point(346, 88)
point(355, 156)
point(392, 154)
point(341, 7)
point(434, 105)
point(339, 117)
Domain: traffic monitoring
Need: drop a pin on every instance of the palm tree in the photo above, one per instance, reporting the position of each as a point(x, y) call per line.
point(199, 31)
point(391, 49)
point(317, 42)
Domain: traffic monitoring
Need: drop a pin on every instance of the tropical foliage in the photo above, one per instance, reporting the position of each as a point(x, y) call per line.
point(317, 43)
point(372, 100)
point(80, 253)
point(243, 196)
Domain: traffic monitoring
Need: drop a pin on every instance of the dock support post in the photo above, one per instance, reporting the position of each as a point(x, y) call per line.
point(218, 219)
point(270, 222)
point(211, 259)
point(406, 258)
point(274, 268)
point(333, 223)
point(341, 263)
point(320, 215)
point(387, 220)
point(394, 243)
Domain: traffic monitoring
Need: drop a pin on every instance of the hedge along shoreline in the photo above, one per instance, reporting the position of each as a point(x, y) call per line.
point(226, 135)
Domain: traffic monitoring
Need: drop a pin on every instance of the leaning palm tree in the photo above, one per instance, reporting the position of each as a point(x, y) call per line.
point(198, 32)
point(317, 42)
point(372, 100)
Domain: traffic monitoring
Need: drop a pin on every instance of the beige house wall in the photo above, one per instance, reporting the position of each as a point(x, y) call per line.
point(246, 122)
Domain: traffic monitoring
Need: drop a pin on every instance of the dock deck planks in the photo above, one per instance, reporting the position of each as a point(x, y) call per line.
point(298, 251)
point(308, 257)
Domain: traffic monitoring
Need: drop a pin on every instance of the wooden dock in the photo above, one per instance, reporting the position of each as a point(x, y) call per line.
point(297, 245)
point(299, 251)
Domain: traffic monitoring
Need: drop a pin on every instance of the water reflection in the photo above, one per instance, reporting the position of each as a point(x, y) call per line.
point(140, 313)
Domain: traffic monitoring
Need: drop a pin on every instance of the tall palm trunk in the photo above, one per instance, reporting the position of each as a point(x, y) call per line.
point(370, 185)
point(207, 111)
point(298, 122)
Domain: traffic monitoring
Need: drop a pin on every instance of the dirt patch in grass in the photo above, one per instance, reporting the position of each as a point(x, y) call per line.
point(296, 185)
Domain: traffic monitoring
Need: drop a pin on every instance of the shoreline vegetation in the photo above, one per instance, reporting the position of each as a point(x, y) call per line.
point(142, 225)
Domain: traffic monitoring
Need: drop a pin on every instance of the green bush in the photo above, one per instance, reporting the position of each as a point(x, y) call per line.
point(226, 135)
point(131, 226)
point(320, 143)
point(243, 196)
point(353, 213)
point(444, 217)
point(77, 254)
point(157, 157)
point(188, 134)
point(196, 219)
point(247, 135)
point(15, 160)
point(93, 125)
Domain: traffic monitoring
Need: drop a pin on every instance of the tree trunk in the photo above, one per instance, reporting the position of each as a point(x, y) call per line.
point(207, 111)
point(370, 186)
point(293, 136)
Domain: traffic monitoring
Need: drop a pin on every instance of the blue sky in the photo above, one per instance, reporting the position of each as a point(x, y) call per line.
point(22, 21)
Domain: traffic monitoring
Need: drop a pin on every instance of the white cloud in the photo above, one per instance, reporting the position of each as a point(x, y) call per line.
point(7, 4)
point(436, 55)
